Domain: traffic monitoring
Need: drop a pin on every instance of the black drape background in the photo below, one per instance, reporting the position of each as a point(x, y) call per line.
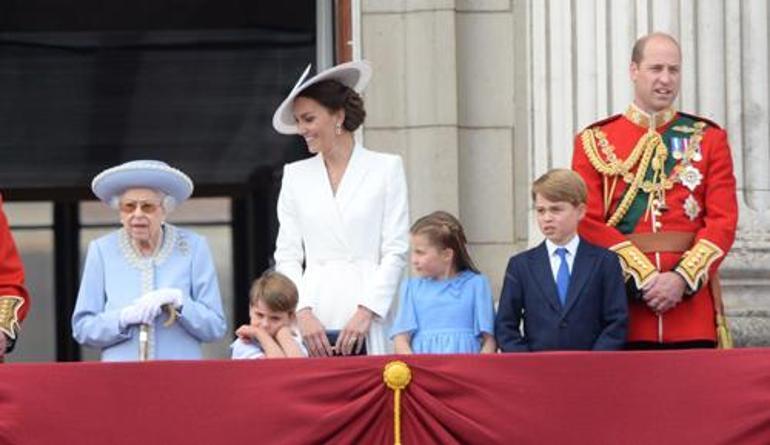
point(85, 85)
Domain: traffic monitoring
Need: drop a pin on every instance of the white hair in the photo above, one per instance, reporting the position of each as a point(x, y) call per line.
point(168, 202)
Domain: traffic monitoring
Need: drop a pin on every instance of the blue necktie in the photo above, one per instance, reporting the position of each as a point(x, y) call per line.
point(562, 276)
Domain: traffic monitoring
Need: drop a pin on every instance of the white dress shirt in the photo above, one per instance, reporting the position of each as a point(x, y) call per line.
point(571, 247)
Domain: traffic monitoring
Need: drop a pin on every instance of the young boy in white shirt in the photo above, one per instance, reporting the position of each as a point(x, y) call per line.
point(272, 304)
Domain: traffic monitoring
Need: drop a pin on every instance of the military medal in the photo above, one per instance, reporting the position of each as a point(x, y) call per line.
point(697, 137)
point(690, 177)
point(677, 147)
point(697, 156)
point(691, 208)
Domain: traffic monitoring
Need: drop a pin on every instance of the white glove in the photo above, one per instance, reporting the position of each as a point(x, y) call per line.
point(131, 315)
point(150, 310)
point(162, 296)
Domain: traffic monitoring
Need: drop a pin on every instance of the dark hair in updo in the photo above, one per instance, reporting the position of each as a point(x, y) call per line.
point(335, 96)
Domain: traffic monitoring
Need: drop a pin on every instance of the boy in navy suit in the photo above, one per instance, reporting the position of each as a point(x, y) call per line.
point(570, 294)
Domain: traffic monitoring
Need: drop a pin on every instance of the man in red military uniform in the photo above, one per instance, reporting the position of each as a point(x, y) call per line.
point(662, 196)
point(14, 299)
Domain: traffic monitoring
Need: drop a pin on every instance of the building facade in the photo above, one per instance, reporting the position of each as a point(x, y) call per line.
point(482, 96)
point(479, 97)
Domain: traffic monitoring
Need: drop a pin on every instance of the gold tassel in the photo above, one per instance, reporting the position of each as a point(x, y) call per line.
point(724, 338)
point(397, 376)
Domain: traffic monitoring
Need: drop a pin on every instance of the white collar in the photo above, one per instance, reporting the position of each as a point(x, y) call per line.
point(571, 246)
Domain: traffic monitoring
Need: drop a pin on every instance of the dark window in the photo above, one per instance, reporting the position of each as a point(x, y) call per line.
point(87, 85)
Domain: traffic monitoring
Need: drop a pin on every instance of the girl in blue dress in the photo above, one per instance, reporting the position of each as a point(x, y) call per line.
point(447, 308)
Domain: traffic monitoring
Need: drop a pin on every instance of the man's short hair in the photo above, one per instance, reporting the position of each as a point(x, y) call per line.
point(561, 185)
point(637, 53)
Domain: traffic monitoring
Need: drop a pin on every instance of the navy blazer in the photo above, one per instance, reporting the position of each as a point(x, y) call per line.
point(594, 316)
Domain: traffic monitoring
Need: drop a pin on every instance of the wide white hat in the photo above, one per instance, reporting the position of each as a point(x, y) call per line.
point(151, 174)
point(352, 74)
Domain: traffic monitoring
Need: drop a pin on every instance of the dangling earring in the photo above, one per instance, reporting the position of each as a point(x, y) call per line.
point(338, 129)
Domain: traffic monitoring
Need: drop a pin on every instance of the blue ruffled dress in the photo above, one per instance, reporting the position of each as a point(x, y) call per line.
point(445, 316)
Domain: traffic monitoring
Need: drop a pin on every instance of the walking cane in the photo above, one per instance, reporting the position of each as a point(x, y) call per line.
point(144, 333)
point(144, 341)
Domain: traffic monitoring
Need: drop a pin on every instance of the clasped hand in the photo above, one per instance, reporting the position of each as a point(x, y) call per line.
point(353, 335)
point(351, 338)
point(313, 334)
point(664, 292)
point(149, 306)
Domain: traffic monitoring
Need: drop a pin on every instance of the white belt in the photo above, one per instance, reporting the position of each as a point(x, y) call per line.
point(321, 262)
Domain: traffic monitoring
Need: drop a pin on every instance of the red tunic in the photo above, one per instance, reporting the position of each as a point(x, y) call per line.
point(14, 299)
point(707, 209)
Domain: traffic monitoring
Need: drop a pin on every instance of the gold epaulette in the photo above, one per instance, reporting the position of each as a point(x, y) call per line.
point(9, 314)
point(708, 122)
point(635, 263)
point(695, 263)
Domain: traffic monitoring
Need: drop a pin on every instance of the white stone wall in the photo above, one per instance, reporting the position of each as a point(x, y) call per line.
point(443, 97)
point(579, 55)
point(483, 96)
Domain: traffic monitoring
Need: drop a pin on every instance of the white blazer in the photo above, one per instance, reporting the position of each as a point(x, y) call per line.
point(353, 244)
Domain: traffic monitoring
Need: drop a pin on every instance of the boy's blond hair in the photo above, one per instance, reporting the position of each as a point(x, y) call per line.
point(276, 291)
point(561, 185)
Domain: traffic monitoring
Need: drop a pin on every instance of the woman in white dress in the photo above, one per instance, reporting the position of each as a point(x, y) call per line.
point(343, 215)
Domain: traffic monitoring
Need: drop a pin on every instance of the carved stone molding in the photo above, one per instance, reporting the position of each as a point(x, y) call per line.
point(745, 272)
point(752, 244)
point(750, 328)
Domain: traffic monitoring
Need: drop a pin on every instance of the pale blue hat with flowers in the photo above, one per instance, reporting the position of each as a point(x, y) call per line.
point(355, 75)
point(151, 174)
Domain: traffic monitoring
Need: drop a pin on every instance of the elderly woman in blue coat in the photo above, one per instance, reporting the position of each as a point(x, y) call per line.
point(149, 290)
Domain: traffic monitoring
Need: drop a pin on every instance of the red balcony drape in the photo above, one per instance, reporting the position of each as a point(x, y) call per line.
point(687, 397)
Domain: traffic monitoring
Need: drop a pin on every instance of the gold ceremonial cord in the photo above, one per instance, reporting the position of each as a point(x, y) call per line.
point(647, 146)
point(650, 141)
point(613, 166)
point(397, 376)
